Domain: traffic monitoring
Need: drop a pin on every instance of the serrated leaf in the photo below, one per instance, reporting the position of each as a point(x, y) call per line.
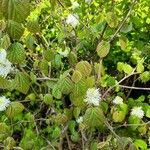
point(80, 88)
point(56, 92)
point(84, 68)
point(4, 131)
point(22, 82)
point(44, 67)
point(72, 58)
point(123, 41)
point(103, 49)
point(76, 77)
point(111, 19)
point(16, 10)
point(4, 83)
point(5, 42)
point(15, 30)
point(33, 25)
point(94, 117)
point(14, 109)
point(16, 53)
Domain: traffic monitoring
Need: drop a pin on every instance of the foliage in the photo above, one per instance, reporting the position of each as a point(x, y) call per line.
point(58, 51)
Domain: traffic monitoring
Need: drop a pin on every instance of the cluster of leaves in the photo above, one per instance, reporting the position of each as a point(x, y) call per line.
point(109, 49)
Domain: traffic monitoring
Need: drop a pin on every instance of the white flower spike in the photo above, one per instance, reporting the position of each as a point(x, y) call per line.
point(80, 119)
point(5, 64)
point(4, 103)
point(93, 96)
point(137, 111)
point(118, 100)
point(72, 19)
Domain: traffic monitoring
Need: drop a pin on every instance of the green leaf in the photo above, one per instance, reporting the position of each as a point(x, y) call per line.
point(111, 19)
point(48, 99)
point(15, 30)
point(123, 41)
point(33, 25)
point(94, 117)
point(72, 58)
point(9, 143)
point(145, 76)
point(118, 116)
point(84, 68)
point(56, 92)
point(5, 42)
point(16, 53)
point(134, 120)
point(44, 67)
point(140, 144)
point(14, 109)
point(103, 49)
point(4, 131)
point(4, 83)
point(77, 76)
point(16, 10)
point(140, 67)
point(127, 69)
point(22, 82)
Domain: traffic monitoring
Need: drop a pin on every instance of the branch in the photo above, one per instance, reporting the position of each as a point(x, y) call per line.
point(109, 89)
point(123, 21)
point(135, 88)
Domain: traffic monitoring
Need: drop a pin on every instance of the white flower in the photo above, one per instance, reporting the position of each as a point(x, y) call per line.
point(65, 52)
point(75, 5)
point(72, 20)
point(88, 1)
point(4, 102)
point(118, 100)
point(5, 64)
point(137, 111)
point(80, 119)
point(93, 96)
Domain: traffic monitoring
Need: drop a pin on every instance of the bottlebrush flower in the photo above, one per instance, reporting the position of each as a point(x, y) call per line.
point(5, 65)
point(137, 111)
point(93, 96)
point(4, 103)
point(80, 119)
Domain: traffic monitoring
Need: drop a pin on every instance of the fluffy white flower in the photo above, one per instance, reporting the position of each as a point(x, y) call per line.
point(72, 19)
point(4, 103)
point(93, 96)
point(118, 100)
point(65, 52)
point(80, 119)
point(75, 5)
point(137, 111)
point(88, 1)
point(5, 64)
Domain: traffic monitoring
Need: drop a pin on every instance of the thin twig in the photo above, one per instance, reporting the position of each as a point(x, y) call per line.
point(133, 87)
point(128, 125)
point(109, 89)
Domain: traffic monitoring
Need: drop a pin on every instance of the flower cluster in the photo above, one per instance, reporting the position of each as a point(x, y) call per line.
point(80, 119)
point(137, 111)
point(5, 65)
point(93, 96)
point(72, 19)
point(118, 100)
point(4, 103)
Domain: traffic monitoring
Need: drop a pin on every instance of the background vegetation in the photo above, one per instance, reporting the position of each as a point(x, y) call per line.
point(63, 55)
